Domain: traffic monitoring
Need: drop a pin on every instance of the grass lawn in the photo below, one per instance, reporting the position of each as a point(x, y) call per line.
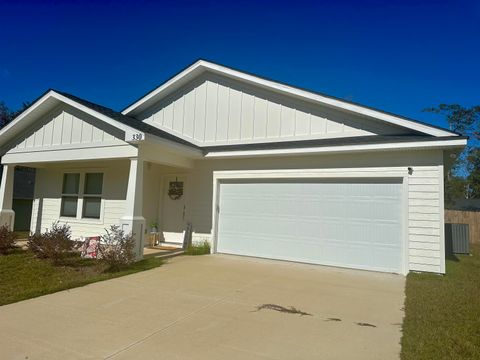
point(442, 313)
point(23, 276)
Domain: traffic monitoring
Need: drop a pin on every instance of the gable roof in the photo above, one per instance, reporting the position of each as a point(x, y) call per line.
point(201, 66)
point(424, 135)
point(51, 98)
point(127, 120)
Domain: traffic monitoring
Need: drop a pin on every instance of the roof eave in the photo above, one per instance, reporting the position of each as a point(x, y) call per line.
point(203, 65)
point(18, 125)
point(415, 145)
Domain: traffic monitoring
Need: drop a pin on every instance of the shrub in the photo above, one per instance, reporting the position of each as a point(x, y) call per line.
point(116, 248)
point(7, 239)
point(202, 248)
point(54, 244)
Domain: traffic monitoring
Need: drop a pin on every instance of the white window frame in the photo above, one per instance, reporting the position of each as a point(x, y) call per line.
point(77, 194)
point(81, 193)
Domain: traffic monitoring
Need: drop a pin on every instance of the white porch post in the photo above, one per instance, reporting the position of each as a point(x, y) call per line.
point(7, 215)
point(133, 220)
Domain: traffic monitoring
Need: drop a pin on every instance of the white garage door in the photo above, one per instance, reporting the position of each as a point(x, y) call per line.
point(355, 224)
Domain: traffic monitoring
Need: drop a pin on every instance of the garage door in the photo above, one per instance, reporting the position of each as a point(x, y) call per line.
point(355, 224)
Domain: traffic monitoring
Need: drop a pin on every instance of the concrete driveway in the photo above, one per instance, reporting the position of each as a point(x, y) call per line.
point(213, 307)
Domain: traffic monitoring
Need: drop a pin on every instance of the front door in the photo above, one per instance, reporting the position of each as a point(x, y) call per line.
point(174, 208)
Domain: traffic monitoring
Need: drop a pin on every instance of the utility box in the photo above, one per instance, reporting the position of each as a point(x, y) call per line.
point(457, 239)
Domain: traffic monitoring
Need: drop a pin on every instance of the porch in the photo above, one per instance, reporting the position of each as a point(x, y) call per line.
point(138, 194)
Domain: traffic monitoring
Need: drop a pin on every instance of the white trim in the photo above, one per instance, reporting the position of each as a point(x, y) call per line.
point(25, 113)
point(203, 65)
point(406, 225)
point(88, 153)
point(54, 95)
point(442, 217)
point(337, 149)
point(75, 146)
point(96, 114)
point(339, 173)
point(79, 219)
point(163, 87)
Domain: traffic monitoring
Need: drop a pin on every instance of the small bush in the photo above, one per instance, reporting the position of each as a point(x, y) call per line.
point(198, 249)
point(54, 244)
point(7, 240)
point(116, 248)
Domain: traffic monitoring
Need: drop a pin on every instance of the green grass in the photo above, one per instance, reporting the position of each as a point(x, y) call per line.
point(442, 313)
point(23, 276)
point(198, 249)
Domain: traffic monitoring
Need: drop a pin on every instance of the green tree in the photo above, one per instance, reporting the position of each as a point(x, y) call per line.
point(473, 177)
point(7, 114)
point(463, 181)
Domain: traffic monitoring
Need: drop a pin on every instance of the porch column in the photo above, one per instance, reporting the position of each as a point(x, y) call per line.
point(133, 220)
point(7, 215)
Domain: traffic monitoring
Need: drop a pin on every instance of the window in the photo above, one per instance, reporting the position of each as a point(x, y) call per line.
point(90, 198)
point(70, 195)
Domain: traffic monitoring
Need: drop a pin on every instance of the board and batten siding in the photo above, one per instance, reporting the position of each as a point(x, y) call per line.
point(213, 111)
point(66, 127)
point(47, 199)
point(425, 194)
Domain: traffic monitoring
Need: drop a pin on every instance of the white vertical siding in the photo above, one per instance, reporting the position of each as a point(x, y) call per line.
point(64, 127)
point(213, 111)
point(189, 115)
point(200, 114)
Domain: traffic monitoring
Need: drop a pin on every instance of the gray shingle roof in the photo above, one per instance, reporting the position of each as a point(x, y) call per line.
point(359, 140)
point(127, 120)
point(344, 141)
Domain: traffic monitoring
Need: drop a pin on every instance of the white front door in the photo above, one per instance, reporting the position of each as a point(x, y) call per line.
point(174, 208)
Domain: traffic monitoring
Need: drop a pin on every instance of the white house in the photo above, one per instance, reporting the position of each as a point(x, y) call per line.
point(259, 168)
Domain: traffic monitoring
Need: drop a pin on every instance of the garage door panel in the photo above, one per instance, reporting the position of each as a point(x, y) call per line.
point(352, 224)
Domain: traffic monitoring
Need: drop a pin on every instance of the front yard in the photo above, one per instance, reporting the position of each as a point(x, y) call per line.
point(442, 313)
point(23, 276)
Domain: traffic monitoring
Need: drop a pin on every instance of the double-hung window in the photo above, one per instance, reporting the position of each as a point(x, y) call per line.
point(92, 195)
point(86, 188)
point(70, 192)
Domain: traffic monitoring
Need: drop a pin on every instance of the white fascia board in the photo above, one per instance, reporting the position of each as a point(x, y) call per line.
point(339, 149)
point(24, 114)
point(163, 87)
point(292, 91)
point(336, 103)
point(130, 132)
point(63, 99)
point(72, 154)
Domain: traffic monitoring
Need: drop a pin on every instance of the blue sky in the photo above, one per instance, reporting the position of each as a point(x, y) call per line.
point(399, 56)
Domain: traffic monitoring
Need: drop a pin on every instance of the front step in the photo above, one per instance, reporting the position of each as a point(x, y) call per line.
point(169, 254)
point(169, 244)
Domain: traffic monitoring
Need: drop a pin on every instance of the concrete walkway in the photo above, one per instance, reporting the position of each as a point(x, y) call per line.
point(206, 307)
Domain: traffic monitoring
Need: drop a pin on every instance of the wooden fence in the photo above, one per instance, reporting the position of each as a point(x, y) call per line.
point(472, 218)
